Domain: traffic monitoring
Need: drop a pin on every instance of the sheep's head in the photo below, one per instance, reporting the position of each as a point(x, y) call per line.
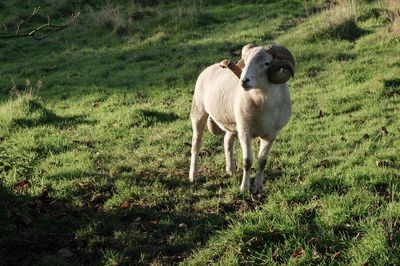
point(275, 61)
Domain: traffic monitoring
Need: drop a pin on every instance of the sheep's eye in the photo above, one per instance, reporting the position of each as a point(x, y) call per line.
point(266, 64)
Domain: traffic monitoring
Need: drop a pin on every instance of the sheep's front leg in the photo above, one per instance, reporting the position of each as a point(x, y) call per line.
point(198, 124)
point(265, 147)
point(228, 146)
point(245, 143)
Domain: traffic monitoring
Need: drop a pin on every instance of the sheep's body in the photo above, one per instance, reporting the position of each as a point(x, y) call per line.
point(261, 111)
point(222, 83)
point(219, 94)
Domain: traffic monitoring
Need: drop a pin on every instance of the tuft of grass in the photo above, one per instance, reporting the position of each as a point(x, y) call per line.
point(113, 19)
point(391, 87)
point(341, 21)
point(191, 13)
point(113, 258)
point(342, 10)
point(393, 9)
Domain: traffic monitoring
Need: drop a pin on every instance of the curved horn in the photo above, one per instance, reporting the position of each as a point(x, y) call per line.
point(283, 66)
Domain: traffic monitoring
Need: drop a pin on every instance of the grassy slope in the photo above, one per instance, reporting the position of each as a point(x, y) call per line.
point(109, 125)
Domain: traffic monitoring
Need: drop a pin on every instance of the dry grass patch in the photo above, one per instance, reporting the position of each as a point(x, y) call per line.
point(341, 11)
point(339, 22)
point(393, 15)
point(110, 18)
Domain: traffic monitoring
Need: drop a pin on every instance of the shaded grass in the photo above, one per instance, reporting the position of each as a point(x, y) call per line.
point(347, 30)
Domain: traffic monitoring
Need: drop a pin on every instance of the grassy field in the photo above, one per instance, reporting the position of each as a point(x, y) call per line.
point(95, 136)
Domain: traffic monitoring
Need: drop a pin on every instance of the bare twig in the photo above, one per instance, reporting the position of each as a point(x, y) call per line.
point(41, 32)
point(5, 29)
point(22, 22)
point(52, 28)
point(14, 88)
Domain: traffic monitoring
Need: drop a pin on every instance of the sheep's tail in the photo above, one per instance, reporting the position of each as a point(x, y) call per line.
point(213, 127)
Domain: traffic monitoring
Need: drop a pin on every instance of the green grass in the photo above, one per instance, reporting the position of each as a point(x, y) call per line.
point(95, 138)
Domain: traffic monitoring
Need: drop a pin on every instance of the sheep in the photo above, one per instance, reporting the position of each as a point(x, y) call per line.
point(247, 100)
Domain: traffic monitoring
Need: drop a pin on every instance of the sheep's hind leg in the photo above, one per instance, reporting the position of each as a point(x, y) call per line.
point(265, 147)
point(229, 156)
point(199, 121)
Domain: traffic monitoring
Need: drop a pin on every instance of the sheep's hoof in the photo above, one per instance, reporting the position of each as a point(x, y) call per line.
point(258, 188)
point(258, 185)
point(230, 172)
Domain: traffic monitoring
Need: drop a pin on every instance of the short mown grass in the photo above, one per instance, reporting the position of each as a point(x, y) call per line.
point(95, 137)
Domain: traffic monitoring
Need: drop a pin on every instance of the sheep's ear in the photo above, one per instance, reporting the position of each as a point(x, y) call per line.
point(246, 49)
point(240, 63)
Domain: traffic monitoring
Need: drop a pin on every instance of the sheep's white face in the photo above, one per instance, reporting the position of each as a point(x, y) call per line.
point(254, 74)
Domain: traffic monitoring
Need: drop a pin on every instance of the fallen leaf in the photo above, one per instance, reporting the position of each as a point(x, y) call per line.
point(154, 222)
point(384, 131)
point(99, 207)
point(95, 197)
point(336, 255)
point(316, 255)
point(298, 252)
point(65, 252)
point(125, 205)
point(182, 226)
point(22, 185)
point(84, 184)
point(380, 163)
